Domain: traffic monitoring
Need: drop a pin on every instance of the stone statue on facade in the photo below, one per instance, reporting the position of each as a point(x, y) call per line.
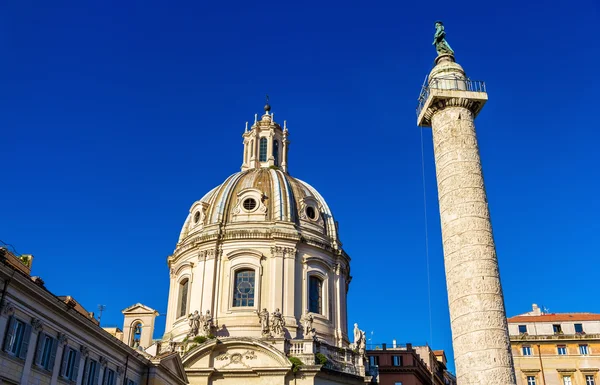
point(439, 40)
point(263, 315)
point(194, 321)
point(207, 324)
point(277, 323)
point(307, 325)
point(362, 344)
point(357, 336)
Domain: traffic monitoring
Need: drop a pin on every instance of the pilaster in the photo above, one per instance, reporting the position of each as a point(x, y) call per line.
point(36, 328)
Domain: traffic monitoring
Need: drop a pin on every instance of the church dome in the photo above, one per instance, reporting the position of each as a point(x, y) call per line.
point(263, 195)
point(260, 242)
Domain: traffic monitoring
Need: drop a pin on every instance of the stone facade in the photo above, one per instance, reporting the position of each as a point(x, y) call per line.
point(556, 348)
point(50, 340)
point(477, 315)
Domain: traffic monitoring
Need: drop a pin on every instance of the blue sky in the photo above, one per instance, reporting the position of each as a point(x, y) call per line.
point(116, 116)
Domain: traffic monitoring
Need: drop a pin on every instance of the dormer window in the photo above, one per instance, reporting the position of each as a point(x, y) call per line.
point(262, 151)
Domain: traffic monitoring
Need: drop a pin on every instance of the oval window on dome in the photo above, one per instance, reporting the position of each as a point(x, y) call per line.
point(197, 217)
point(311, 213)
point(249, 204)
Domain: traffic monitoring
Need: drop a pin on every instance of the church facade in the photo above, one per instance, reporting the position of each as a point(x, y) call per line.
point(259, 279)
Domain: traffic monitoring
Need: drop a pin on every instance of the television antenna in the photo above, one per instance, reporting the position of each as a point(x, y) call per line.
point(100, 309)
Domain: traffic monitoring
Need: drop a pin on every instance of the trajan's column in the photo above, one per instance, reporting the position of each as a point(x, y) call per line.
point(449, 104)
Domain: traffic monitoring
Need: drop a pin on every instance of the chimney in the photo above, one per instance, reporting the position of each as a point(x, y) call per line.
point(394, 344)
point(536, 309)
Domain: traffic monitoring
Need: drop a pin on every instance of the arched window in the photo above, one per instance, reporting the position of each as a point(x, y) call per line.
point(262, 153)
point(315, 295)
point(243, 290)
point(276, 152)
point(183, 296)
point(136, 334)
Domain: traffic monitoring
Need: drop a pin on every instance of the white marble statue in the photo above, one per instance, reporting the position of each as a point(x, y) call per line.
point(194, 321)
point(307, 325)
point(277, 323)
point(207, 324)
point(263, 315)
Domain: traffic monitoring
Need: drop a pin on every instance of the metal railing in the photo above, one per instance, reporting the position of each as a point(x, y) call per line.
point(450, 84)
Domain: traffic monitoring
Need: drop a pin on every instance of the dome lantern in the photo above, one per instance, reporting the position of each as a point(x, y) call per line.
point(265, 144)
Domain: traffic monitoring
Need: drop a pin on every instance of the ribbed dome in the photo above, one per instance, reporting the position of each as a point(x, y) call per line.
point(277, 197)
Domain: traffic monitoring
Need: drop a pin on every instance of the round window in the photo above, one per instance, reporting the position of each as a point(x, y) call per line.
point(197, 217)
point(310, 212)
point(249, 204)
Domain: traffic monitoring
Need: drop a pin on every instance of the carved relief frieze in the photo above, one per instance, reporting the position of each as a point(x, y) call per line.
point(84, 351)
point(236, 358)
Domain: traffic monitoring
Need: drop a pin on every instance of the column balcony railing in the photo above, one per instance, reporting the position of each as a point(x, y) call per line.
point(448, 84)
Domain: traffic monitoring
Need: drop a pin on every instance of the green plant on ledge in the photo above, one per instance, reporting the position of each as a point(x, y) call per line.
point(321, 358)
point(211, 337)
point(199, 339)
point(296, 364)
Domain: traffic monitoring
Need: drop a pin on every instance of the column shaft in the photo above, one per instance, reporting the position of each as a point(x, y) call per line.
point(477, 315)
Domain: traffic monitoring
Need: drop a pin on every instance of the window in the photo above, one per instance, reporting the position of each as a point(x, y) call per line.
point(130, 382)
point(109, 377)
point(583, 349)
point(91, 372)
point(17, 338)
point(262, 154)
point(45, 353)
point(557, 329)
point(567, 380)
point(531, 380)
point(249, 204)
point(578, 329)
point(522, 329)
point(526, 350)
point(276, 152)
point(315, 288)
point(197, 217)
point(183, 295)
point(243, 291)
point(397, 360)
point(397, 383)
point(562, 350)
point(311, 213)
point(589, 380)
point(70, 364)
point(373, 361)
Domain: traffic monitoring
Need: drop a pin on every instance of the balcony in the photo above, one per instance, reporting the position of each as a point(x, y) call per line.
point(447, 88)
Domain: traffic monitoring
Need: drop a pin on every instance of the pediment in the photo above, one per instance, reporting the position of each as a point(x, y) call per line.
point(236, 355)
point(138, 308)
point(173, 364)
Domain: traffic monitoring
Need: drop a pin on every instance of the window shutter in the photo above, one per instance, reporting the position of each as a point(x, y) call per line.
point(9, 333)
point(96, 375)
point(25, 342)
point(40, 348)
point(76, 365)
point(53, 354)
point(64, 364)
